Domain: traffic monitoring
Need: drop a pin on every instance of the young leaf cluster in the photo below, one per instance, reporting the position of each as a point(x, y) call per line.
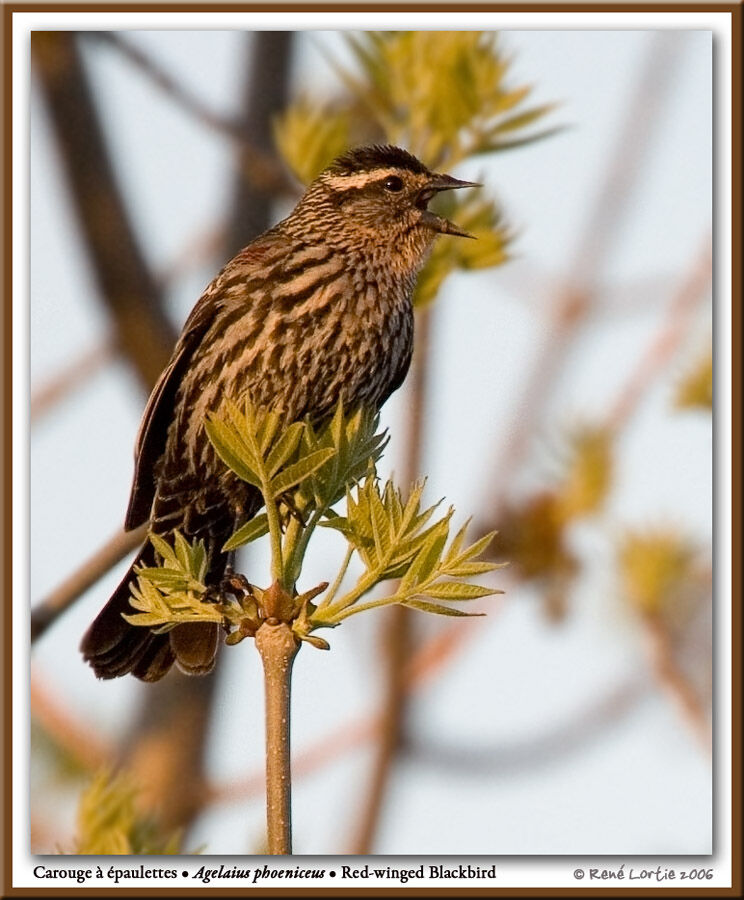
point(171, 593)
point(322, 137)
point(481, 218)
point(446, 97)
point(109, 822)
point(250, 442)
point(302, 471)
point(397, 539)
point(442, 94)
point(657, 566)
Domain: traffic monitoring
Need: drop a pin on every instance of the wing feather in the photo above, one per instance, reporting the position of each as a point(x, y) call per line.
point(158, 413)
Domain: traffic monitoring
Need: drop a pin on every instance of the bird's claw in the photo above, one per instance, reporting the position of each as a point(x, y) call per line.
point(288, 501)
point(236, 584)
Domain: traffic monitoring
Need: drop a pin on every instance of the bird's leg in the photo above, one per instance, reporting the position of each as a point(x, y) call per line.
point(289, 502)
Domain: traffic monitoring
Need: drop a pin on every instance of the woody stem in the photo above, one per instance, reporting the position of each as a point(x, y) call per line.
point(278, 648)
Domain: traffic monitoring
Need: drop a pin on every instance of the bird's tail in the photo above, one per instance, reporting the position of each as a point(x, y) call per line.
point(113, 647)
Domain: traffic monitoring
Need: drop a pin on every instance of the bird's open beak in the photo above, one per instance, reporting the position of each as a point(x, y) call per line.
point(436, 184)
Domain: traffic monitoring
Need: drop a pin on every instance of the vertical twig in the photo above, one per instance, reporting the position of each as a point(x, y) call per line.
point(175, 716)
point(265, 94)
point(278, 648)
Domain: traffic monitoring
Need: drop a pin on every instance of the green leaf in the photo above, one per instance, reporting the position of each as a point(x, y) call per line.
point(522, 120)
point(266, 431)
point(457, 590)
point(299, 471)
point(251, 531)
point(182, 548)
point(478, 547)
point(499, 145)
point(199, 555)
point(166, 576)
point(438, 609)
point(232, 451)
point(427, 557)
point(457, 541)
point(341, 524)
point(466, 569)
point(381, 527)
point(283, 449)
point(164, 549)
point(310, 135)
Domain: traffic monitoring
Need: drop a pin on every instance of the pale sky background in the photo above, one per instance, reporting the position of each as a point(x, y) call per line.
point(644, 786)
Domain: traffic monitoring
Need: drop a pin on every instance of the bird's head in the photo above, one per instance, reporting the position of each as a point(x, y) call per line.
point(377, 198)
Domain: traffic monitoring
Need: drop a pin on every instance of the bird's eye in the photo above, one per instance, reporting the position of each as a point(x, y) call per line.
point(393, 184)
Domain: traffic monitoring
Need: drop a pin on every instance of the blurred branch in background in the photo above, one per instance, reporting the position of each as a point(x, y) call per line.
point(71, 734)
point(127, 287)
point(172, 724)
point(167, 743)
point(72, 377)
point(395, 632)
point(260, 162)
point(62, 597)
point(575, 300)
point(268, 64)
point(165, 747)
point(693, 289)
point(504, 759)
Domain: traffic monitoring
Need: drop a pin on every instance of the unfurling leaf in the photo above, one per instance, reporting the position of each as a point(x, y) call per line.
point(457, 590)
point(438, 608)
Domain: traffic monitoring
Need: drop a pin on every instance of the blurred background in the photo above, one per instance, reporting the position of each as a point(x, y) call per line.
point(561, 393)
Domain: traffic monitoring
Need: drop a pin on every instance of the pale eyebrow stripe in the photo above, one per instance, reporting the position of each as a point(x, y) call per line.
point(360, 180)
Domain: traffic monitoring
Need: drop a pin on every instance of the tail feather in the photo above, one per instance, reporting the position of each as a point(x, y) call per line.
point(194, 647)
point(113, 647)
point(156, 661)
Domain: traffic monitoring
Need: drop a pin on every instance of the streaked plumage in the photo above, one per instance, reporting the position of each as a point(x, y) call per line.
point(317, 307)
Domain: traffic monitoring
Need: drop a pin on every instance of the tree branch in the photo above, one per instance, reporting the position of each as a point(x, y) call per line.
point(265, 94)
point(265, 169)
point(71, 377)
point(143, 331)
point(574, 300)
point(113, 551)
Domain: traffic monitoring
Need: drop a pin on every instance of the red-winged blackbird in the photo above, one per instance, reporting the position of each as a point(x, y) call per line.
point(316, 308)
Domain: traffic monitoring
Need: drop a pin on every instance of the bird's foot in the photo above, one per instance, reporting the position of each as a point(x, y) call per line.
point(236, 584)
point(292, 510)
